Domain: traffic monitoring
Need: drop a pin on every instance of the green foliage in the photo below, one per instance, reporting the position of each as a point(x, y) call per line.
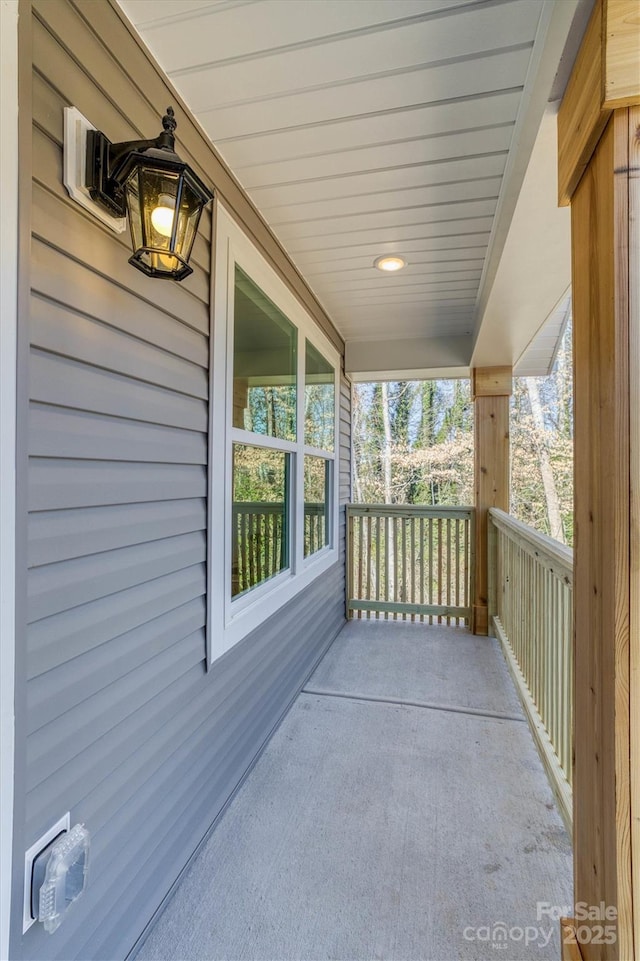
point(259, 474)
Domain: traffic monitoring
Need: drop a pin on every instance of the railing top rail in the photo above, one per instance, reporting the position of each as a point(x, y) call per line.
point(557, 556)
point(275, 507)
point(409, 510)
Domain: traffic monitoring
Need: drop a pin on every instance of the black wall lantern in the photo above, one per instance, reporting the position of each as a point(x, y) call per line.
point(161, 194)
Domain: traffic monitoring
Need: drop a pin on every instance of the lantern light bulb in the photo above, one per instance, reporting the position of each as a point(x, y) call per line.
point(162, 217)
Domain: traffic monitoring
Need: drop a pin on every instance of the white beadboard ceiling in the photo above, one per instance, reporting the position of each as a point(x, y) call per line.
point(366, 127)
point(540, 355)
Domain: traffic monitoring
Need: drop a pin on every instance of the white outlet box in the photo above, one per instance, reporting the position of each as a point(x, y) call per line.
point(64, 824)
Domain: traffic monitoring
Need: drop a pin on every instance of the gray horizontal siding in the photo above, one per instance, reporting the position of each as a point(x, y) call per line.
point(61, 382)
point(228, 755)
point(123, 725)
point(65, 636)
point(180, 761)
point(107, 663)
point(94, 295)
point(55, 483)
point(70, 334)
point(60, 535)
point(56, 432)
point(60, 587)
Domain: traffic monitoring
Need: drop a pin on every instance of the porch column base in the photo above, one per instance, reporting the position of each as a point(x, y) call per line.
point(480, 619)
point(570, 944)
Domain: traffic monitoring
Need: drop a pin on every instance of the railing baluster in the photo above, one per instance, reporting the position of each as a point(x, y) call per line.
point(378, 563)
point(467, 571)
point(422, 567)
point(368, 555)
point(431, 566)
point(457, 561)
point(448, 567)
point(251, 548)
point(350, 555)
point(413, 561)
point(277, 542)
point(403, 535)
point(439, 567)
point(259, 548)
point(245, 553)
point(396, 565)
point(387, 541)
point(360, 565)
point(534, 624)
point(268, 566)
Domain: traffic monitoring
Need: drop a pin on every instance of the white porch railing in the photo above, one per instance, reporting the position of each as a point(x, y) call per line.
point(530, 600)
point(411, 562)
point(260, 538)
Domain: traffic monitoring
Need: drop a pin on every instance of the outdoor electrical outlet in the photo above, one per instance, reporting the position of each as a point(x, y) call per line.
point(38, 871)
point(33, 855)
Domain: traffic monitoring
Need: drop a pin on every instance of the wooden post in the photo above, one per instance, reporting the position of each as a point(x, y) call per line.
point(598, 151)
point(491, 389)
point(240, 400)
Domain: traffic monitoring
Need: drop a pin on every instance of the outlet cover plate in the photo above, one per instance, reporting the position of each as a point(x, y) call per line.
point(64, 824)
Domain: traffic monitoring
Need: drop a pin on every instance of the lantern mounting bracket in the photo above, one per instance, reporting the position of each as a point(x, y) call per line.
point(107, 167)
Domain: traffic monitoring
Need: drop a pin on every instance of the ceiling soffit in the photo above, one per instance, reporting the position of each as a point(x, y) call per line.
point(368, 127)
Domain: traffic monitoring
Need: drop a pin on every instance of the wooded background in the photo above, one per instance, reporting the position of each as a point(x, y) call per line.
point(413, 444)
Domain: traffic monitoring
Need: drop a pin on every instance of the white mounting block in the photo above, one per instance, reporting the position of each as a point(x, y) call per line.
point(75, 159)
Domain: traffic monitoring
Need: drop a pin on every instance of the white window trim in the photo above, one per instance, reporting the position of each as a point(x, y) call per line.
point(230, 621)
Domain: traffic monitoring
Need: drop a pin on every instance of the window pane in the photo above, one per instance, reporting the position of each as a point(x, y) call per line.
point(264, 364)
point(317, 473)
point(319, 400)
point(260, 532)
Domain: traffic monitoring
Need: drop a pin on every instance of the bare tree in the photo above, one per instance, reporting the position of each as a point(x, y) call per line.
point(388, 440)
point(546, 470)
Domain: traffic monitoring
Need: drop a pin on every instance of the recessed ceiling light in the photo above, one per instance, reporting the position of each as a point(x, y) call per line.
point(389, 263)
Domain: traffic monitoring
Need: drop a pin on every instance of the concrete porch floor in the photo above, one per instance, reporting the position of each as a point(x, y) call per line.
point(400, 812)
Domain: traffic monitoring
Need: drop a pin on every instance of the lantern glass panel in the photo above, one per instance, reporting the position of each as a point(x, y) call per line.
point(159, 189)
point(159, 263)
point(188, 218)
point(132, 189)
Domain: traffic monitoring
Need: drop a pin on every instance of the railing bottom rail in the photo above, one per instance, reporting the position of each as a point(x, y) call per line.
point(386, 607)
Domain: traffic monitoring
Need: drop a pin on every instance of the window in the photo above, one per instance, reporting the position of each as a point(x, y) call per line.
point(317, 477)
point(319, 400)
point(264, 363)
point(273, 473)
point(319, 433)
point(260, 522)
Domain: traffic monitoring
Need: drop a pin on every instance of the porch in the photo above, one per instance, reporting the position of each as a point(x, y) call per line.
point(400, 811)
point(158, 629)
